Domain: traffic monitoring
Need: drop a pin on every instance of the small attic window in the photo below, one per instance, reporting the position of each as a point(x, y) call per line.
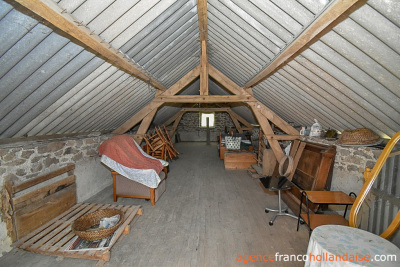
point(203, 119)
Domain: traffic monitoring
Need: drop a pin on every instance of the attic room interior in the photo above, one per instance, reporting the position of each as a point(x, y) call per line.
point(215, 133)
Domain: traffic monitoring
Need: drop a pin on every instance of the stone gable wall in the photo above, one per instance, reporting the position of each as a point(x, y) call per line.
point(189, 127)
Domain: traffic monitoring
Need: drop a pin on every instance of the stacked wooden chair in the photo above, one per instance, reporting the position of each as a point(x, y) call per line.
point(159, 144)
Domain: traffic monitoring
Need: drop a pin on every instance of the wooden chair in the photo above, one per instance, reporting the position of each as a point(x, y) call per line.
point(369, 191)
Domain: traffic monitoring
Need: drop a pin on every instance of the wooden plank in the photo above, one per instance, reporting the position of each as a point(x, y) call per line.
point(7, 209)
point(239, 160)
point(54, 237)
point(322, 23)
point(203, 99)
point(40, 179)
point(65, 22)
point(32, 216)
point(41, 193)
point(203, 69)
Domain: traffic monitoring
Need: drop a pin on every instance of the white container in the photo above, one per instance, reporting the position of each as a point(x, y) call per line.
point(316, 129)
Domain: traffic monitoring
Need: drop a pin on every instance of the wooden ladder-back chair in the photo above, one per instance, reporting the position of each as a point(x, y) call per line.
point(378, 198)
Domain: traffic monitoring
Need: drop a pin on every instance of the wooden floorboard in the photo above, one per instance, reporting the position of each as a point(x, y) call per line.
point(206, 217)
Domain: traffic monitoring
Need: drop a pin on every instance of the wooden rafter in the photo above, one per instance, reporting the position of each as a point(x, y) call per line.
point(239, 118)
point(144, 126)
point(202, 14)
point(173, 118)
point(236, 89)
point(236, 122)
point(176, 123)
point(174, 89)
point(325, 22)
point(65, 22)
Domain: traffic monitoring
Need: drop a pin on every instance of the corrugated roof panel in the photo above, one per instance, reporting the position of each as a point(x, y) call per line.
point(314, 6)
point(10, 27)
point(351, 75)
point(22, 47)
point(388, 8)
point(122, 110)
point(49, 91)
point(365, 86)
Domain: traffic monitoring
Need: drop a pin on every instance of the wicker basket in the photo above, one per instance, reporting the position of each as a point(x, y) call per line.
point(362, 136)
point(82, 225)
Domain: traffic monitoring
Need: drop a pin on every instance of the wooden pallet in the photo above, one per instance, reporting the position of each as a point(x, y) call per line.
point(54, 237)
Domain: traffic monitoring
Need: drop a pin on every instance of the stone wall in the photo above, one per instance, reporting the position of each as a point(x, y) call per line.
point(350, 164)
point(26, 160)
point(189, 127)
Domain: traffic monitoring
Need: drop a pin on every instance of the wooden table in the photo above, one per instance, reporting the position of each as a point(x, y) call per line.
point(324, 197)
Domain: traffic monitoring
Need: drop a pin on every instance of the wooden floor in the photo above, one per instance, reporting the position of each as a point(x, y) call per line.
point(206, 217)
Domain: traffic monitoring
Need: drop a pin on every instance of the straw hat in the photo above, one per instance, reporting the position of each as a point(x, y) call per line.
point(361, 136)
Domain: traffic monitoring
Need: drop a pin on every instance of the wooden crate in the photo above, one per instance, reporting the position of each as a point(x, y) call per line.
point(54, 238)
point(239, 160)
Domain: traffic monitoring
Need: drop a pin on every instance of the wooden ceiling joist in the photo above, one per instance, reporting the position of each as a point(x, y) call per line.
point(325, 22)
point(66, 23)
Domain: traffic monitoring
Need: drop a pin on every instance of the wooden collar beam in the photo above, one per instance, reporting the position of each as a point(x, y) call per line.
point(66, 23)
point(202, 99)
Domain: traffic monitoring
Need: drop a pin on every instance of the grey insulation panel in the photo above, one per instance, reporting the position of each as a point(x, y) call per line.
point(350, 78)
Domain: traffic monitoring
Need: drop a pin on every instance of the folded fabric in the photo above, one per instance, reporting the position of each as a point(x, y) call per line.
point(124, 150)
point(147, 177)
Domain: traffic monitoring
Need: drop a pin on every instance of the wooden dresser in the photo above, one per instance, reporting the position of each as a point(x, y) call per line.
point(313, 172)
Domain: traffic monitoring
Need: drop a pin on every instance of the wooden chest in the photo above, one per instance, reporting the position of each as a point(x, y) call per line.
point(239, 160)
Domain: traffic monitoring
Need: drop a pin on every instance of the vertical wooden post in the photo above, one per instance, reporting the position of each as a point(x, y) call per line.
point(204, 69)
point(208, 130)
